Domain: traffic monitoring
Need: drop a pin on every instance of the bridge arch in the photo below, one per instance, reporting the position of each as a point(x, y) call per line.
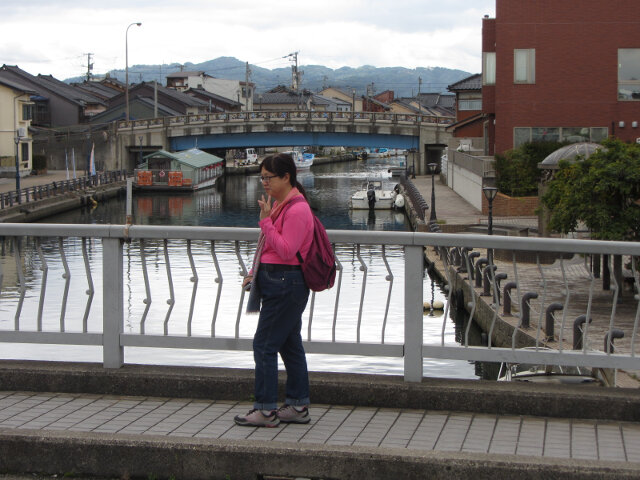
point(423, 133)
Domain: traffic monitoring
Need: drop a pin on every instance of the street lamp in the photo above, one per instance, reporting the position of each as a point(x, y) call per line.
point(490, 193)
point(126, 65)
point(17, 140)
point(432, 170)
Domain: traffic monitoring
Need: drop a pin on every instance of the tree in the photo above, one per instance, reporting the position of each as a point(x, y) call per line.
point(517, 173)
point(602, 191)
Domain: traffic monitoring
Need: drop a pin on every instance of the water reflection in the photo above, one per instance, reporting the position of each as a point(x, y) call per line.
point(232, 203)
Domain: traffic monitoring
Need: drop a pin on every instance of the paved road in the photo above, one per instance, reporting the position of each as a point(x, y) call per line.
point(9, 184)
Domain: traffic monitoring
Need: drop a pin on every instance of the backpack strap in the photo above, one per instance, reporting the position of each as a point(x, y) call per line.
point(293, 201)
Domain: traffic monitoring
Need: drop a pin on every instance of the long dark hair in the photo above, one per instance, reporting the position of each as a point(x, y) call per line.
point(281, 164)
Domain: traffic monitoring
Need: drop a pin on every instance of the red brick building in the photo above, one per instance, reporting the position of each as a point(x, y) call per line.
point(561, 70)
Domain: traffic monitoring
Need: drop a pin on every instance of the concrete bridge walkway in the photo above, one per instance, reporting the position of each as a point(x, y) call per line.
point(161, 422)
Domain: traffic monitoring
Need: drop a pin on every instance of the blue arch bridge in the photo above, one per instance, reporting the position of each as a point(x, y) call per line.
point(422, 134)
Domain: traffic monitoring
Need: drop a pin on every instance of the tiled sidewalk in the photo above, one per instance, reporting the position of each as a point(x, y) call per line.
point(419, 430)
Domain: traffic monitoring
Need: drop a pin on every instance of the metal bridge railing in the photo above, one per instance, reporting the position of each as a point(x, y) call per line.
point(39, 192)
point(283, 115)
point(201, 305)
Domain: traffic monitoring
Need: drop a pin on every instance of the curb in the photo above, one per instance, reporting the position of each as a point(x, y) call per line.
point(122, 456)
point(505, 398)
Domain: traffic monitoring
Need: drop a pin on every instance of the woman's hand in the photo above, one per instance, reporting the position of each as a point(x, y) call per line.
point(246, 281)
point(265, 207)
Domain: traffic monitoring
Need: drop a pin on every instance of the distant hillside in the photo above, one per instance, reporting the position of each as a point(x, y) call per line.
point(403, 81)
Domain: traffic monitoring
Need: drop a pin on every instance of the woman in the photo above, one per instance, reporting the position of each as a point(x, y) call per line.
point(276, 280)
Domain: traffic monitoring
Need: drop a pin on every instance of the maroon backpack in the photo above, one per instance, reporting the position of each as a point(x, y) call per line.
point(319, 268)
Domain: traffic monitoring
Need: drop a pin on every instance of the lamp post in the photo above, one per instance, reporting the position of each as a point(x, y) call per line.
point(17, 140)
point(126, 65)
point(432, 170)
point(490, 193)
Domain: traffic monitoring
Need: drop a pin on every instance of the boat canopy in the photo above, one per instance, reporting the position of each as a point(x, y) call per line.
point(194, 158)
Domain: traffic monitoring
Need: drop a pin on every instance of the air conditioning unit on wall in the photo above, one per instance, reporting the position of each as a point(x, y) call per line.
point(22, 132)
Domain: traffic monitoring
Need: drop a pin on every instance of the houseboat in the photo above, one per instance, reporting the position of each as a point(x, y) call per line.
point(185, 171)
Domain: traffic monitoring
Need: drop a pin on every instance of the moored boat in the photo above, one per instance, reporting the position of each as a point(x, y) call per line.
point(185, 171)
point(372, 197)
point(555, 374)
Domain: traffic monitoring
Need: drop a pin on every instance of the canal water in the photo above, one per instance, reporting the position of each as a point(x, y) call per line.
point(233, 203)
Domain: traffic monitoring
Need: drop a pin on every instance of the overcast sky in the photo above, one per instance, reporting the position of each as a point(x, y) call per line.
point(54, 36)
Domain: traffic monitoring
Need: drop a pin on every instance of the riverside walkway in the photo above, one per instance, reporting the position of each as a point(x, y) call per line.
point(162, 422)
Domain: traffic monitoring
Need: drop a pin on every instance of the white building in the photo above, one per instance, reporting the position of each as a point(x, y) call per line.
point(232, 89)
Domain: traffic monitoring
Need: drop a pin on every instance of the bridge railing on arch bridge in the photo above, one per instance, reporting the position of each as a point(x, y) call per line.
point(278, 116)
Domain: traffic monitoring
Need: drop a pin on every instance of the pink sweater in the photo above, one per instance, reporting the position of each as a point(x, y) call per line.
point(291, 232)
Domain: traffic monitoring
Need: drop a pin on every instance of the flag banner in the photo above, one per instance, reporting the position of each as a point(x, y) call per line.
point(92, 161)
point(66, 162)
point(73, 162)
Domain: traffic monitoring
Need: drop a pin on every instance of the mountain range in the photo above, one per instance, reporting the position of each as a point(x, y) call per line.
point(403, 81)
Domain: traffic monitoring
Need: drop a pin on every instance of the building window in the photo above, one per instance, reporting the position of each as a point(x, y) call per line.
point(629, 74)
point(489, 68)
point(598, 134)
point(545, 134)
point(470, 105)
point(522, 135)
point(27, 112)
point(524, 65)
point(24, 154)
point(575, 135)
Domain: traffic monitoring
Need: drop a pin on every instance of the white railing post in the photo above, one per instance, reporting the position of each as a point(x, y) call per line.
point(413, 272)
point(112, 303)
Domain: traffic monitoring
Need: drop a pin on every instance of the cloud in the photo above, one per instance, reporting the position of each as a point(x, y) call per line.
point(410, 33)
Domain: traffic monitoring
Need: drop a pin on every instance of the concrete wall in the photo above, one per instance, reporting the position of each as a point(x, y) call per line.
point(465, 183)
point(53, 146)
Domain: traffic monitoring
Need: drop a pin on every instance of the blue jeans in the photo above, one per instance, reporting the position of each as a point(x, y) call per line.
point(284, 297)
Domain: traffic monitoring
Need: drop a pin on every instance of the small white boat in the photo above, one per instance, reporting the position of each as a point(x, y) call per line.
point(372, 197)
point(302, 160)
point(556, 374)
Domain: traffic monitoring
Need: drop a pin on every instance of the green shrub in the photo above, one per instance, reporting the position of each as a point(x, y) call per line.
point(517, 172)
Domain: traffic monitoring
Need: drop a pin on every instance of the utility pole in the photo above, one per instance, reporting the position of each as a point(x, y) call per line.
point(247, 74)
point(419, 103)
point(89, 66)
point(296, 75)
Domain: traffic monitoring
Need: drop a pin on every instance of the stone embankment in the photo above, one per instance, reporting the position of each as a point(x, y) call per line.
point(60, 196)
point(456, 215)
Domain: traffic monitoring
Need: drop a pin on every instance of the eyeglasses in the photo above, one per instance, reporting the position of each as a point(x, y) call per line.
point(267, 178)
